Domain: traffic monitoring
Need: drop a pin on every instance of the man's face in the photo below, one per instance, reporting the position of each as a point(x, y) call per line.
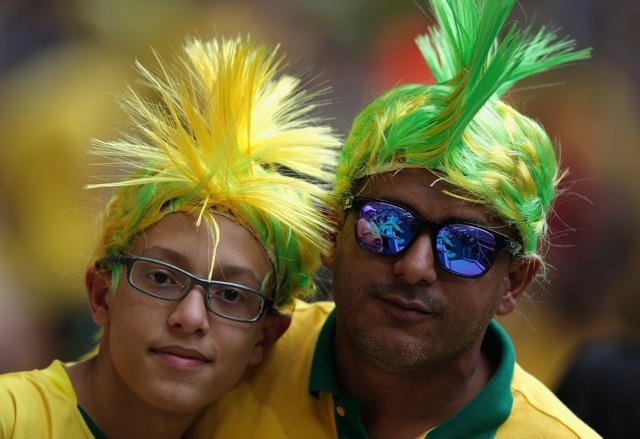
point(177, 355)
point(404, 313)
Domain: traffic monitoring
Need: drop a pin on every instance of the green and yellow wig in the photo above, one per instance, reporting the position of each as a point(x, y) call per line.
point(228, 132)
point(459, 128)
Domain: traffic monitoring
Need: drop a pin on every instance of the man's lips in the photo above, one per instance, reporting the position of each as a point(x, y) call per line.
point(181, 356)
point(407, 305)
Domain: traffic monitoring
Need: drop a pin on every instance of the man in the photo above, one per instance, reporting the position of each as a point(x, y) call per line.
point(202, 246)
point(411, 349)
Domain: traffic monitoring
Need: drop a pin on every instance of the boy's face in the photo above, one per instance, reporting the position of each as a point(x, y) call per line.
point(177, 356)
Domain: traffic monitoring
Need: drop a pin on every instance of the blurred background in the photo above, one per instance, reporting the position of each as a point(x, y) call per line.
point(61, 61)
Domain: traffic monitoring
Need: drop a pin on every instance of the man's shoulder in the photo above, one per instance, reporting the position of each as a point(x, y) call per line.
point(536, 408)
point(312, 313)
point(274, 394)
point(306, 323)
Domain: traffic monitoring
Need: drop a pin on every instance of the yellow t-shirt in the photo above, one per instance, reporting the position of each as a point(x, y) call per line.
point(295, 394)
point(40, 404)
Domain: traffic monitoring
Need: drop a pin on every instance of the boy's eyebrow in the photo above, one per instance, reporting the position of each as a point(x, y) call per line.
point(227, 271)
point(174, 257)
point(166, 254)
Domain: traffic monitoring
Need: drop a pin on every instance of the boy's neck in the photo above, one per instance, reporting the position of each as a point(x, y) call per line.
point(116, 410)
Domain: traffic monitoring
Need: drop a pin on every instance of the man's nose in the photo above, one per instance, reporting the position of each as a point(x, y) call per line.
point(417, 263)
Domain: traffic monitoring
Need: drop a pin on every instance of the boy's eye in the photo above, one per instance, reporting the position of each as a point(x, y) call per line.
point(159, 278)
point(230, 295)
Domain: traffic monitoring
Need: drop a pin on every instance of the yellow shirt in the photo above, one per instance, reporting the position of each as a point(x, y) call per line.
point(40, 404)
point(294, 394)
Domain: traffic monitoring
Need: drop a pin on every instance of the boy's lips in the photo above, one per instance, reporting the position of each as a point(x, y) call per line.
point(182, 356)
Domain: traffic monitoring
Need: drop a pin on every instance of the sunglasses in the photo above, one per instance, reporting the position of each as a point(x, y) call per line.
point(387, 228)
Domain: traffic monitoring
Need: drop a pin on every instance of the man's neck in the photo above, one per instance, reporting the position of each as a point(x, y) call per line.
point(409, 404)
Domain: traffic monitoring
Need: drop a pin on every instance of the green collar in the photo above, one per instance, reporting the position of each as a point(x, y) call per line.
point(478, 419)
point(323, 376)
point(92, 425)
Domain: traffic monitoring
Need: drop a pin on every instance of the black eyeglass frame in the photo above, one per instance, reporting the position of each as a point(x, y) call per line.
point(129, 261)
point(424, 224)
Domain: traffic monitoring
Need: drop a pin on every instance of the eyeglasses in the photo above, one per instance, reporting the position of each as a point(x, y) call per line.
point(387, 228)
point(168, 282)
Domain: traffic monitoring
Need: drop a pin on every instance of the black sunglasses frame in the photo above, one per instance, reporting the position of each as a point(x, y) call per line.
point(423, 224)
point(129, 261)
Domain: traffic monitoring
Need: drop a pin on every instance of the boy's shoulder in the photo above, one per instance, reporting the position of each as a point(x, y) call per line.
point(40, 403)
point(52, 381)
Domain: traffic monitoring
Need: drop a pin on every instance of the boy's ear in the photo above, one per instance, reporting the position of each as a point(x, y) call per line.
point(98, 284)
point(275, 325)
point(521, 273)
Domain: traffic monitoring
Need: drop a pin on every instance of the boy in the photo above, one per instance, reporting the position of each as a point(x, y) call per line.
point(201, 246)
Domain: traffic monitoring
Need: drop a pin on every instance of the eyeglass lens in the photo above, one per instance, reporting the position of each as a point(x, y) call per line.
point(387, 229)
point(167, 283)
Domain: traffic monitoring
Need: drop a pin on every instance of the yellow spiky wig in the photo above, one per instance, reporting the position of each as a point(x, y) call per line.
point(230, 133)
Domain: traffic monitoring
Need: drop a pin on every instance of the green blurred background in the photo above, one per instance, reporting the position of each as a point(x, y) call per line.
point(61, 61)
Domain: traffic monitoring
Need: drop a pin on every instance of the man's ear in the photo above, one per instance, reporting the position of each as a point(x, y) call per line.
point(328, 260)
point(336, 220)
point(98, 284)
point(275, 325)
point(521, 273)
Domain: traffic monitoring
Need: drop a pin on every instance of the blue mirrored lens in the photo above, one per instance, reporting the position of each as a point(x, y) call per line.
point(384, 228)
point(465, 250)
point(462, 249)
